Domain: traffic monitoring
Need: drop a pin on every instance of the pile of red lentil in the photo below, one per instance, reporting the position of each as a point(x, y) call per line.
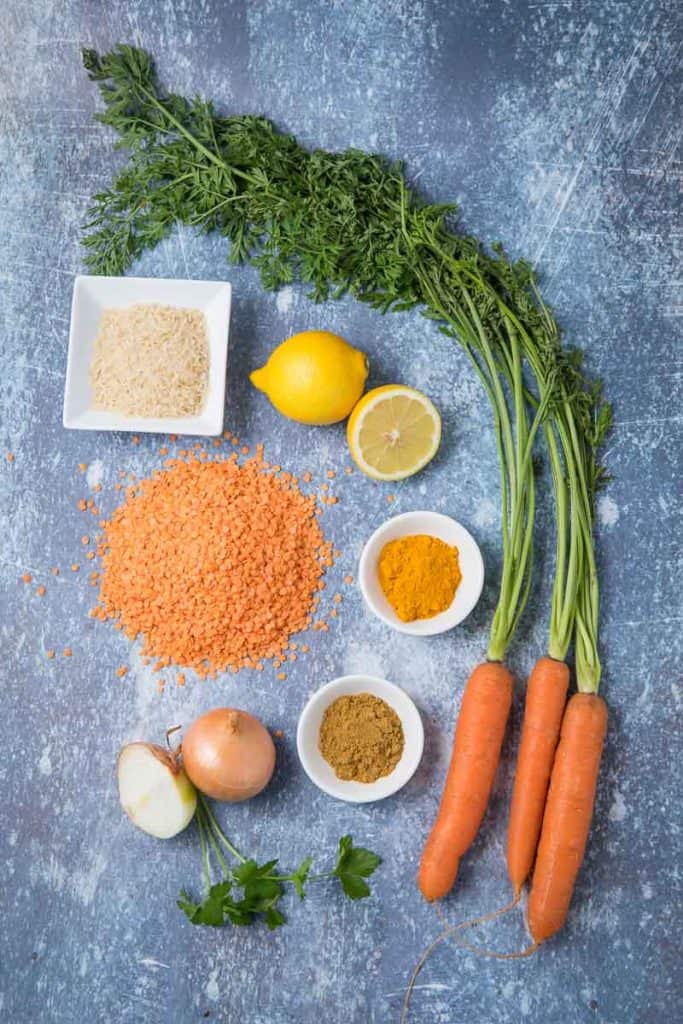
point(213, 564)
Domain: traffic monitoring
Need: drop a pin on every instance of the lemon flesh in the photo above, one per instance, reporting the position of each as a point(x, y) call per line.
point(314, 377)
point(393, 432)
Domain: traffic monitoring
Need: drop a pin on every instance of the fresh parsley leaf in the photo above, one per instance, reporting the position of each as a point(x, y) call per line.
point(354, 886)
point(187, 906)
point(250, 871)
point(260, 897)
point(261, 894)
point(212, 910)
point(274, 918)
point(239, 913)
point(354, 864)
point(300, 876)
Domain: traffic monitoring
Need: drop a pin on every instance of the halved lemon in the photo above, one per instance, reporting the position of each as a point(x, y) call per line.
point(393, 432)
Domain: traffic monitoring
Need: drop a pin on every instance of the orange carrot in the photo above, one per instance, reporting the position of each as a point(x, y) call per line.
point(544, 705)
point(568, 814)
point(476, 750)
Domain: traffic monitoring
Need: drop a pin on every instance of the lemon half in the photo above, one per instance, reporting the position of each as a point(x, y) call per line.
point(393, 432)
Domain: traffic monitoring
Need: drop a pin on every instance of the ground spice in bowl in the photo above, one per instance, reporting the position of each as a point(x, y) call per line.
point(361, 737)
point(419, 575)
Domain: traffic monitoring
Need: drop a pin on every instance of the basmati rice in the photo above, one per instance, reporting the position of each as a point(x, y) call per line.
point(151, 361)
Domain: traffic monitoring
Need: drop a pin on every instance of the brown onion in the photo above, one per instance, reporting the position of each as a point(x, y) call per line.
point(155, 792)
point(228, 754)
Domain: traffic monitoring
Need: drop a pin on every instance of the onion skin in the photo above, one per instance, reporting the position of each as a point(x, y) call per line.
point(228, 755)
point(169, 758)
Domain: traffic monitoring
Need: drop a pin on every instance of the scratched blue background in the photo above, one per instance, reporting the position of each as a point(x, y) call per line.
point(557, 126)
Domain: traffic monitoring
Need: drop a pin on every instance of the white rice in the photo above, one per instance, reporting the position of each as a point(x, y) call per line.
point(151, 361)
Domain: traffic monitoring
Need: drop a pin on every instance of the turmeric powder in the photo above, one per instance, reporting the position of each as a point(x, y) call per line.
point(419, 575)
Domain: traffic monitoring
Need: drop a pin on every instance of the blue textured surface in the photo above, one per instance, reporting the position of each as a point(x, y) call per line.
point(557, 126)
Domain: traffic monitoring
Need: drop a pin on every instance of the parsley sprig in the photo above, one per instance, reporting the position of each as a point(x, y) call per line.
point(251, 891)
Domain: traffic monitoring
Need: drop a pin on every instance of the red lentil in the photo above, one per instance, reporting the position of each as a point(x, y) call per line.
point(200, 594)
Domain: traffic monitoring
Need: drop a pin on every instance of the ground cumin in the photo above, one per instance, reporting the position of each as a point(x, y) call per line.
point(419, 575)
point(361, 736)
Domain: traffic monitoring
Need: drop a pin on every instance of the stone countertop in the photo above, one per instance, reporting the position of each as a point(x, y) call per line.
point(556, 126)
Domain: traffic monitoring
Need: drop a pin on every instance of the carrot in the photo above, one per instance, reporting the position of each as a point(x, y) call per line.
point(545, 701)
point(568, 814)
point(476, 750)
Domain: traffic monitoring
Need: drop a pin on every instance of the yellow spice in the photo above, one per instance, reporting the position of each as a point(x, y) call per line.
point(419, 575)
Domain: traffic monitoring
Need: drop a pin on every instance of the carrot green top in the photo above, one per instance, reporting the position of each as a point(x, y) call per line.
point(576, 425)
point(348, 222)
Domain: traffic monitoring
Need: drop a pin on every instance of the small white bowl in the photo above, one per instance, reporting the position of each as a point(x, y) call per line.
point(323, 774)
point(94, 294)
point(435, 525)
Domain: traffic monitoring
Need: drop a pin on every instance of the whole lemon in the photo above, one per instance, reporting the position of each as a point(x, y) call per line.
point(313, 377)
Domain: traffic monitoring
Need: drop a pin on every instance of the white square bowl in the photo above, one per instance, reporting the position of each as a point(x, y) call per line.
point(92, 295)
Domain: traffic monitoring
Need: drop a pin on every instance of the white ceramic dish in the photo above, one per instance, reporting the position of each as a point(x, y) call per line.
point(436, 525)
point(323, 774)
point(94, 294)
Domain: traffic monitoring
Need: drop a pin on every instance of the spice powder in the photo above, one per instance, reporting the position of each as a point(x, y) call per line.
point(361, 737)
point(419, 575)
